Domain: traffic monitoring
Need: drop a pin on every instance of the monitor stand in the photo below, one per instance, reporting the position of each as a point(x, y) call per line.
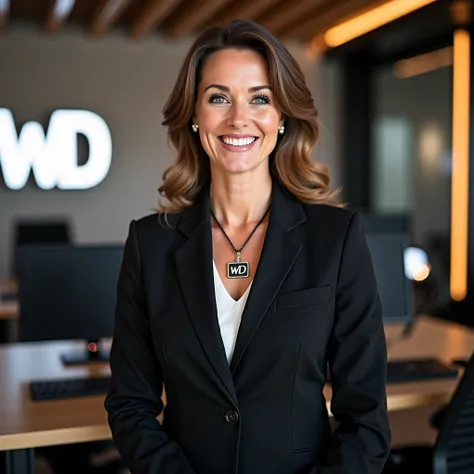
point(91, 353)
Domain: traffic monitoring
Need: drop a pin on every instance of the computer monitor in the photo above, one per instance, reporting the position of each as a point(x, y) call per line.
point(68, 292)
point(391, 223)
point(396, 290)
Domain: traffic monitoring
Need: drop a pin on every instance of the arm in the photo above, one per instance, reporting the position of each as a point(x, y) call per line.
point(134, 398)
point(357, 363)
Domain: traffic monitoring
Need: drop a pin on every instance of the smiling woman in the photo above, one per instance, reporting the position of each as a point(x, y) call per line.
point(253, 285)
point(232, 82)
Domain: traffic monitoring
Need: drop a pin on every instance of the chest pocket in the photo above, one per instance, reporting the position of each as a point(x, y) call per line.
point(307, 297)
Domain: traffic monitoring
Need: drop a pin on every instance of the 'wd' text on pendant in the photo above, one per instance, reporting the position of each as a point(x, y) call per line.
point(238, 270)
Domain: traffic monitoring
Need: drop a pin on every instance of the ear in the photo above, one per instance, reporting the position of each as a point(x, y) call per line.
point(282, 120)
point(194, 118)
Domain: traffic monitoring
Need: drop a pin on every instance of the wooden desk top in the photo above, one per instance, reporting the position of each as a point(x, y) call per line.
point(8, 309)
point(24, 423)
point(431, 337)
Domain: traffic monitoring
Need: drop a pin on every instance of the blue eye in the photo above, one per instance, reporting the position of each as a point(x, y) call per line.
point(261, 99)
point(217, 99)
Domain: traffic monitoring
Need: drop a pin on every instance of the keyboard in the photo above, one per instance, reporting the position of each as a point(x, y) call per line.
point(416, 370)
point(69, 388)
point(409, 370)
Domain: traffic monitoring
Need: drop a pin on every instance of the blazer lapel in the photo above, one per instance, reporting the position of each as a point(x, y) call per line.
point(195, 273)
point(279, 253)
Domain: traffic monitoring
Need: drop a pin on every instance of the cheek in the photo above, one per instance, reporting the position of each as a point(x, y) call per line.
point(268, 122)
point(209, 144)
point(207, 118)
point(209, 123)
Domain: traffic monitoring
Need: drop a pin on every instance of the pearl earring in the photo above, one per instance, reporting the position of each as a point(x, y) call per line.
point(195, 127)
point(281, 129)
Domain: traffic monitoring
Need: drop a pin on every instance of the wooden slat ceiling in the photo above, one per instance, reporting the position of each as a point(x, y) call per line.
point(299, 20)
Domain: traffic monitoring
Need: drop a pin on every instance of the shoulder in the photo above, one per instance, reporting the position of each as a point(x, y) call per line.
point(339, 230)
point(149, 229)
point(156, 222)
point(331, 218)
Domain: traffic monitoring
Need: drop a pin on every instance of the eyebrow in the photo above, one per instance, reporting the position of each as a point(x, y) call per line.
point(226, 89)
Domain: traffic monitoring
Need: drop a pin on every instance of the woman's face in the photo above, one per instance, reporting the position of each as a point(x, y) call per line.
point(236, 112)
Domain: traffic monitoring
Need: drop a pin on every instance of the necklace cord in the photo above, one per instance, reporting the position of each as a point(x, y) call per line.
point(248, 238)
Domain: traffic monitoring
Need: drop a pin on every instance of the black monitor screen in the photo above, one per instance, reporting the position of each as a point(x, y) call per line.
point(396, 290)
point(387, 223)
point(67, 292)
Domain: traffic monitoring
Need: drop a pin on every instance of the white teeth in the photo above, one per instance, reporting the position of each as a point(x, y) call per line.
point(238, 141)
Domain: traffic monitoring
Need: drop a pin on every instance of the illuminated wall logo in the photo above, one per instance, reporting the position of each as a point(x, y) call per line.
point(52, 157)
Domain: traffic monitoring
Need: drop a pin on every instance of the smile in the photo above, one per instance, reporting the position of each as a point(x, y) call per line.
point(243, 142)
point(237, 144)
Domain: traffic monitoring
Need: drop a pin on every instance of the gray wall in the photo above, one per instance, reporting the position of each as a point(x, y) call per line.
point(126, 82)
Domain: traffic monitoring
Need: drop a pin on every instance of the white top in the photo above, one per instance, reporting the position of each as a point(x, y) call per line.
point(229, 313)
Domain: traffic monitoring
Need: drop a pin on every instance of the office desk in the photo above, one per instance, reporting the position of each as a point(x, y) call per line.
point(9, 309)
point(25, 424)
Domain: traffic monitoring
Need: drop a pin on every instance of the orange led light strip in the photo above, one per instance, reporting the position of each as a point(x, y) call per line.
point(460, 165)
point(372, 19)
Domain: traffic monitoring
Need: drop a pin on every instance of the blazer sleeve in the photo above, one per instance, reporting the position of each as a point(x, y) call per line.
point(134, 398)
point(357, 361)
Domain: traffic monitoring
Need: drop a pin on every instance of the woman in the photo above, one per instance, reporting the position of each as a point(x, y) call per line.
point(245, 286)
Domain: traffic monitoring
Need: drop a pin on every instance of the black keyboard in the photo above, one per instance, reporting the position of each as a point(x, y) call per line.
point(69, 388)
point(415, 370)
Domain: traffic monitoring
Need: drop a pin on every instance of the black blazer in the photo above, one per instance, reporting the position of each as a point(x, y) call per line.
point(314, 302)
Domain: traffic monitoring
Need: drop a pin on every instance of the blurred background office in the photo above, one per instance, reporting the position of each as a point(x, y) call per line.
point(82, 151)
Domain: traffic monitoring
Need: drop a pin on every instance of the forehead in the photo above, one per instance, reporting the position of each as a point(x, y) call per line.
point(235, 67)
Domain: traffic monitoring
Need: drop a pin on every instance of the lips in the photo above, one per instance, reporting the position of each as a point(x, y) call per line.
point(237, 144)
point(233, 140)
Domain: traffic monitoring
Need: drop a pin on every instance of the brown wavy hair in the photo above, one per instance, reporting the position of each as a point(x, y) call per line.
point(290, 161)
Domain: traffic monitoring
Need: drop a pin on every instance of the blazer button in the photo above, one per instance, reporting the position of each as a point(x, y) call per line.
point(231, 417)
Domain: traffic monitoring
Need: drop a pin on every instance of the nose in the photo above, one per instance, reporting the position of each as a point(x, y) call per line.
point(238, 116)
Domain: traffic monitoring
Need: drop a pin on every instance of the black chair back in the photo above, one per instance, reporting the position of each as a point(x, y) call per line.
point(38, 231)
point(454, 447)
point(42, 232)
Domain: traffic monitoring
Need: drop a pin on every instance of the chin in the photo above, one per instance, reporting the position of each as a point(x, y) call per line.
point(241, 165)
point(237, 166)
point(241, 169)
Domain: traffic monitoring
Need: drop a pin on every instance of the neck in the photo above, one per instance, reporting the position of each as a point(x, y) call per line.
point(238, 199)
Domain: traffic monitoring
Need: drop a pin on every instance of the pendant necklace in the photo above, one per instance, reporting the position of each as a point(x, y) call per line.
point(239, 269)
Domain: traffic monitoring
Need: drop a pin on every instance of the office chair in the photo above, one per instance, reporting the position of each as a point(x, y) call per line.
point(453, 451)
point(42, 231)
point(36, 231)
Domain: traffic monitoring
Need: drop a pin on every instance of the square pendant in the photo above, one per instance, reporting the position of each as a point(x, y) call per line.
point(238, 270)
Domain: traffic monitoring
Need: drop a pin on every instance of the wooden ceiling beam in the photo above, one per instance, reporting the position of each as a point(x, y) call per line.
point(246, 9)
point(4, 12)
point(152, 15)
point(289, 13)
point(193, 15)
point(58, 14)
point(327, 17)
point(107, 14)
